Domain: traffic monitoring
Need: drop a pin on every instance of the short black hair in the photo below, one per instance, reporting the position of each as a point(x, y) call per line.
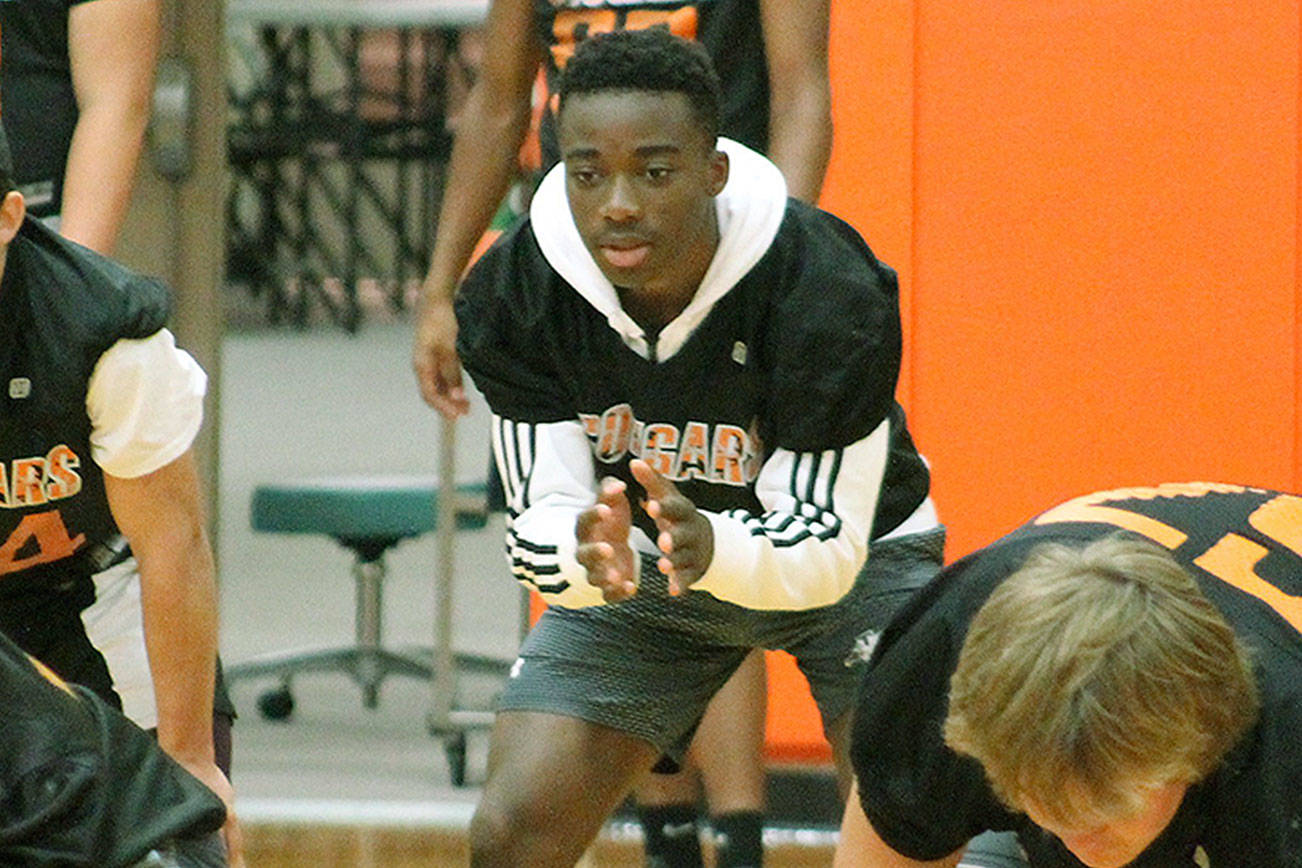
point(652, 59)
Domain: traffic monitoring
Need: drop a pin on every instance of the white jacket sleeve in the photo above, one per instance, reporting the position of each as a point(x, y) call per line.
point(807, 548)
point(803, 552)
point(547, 473)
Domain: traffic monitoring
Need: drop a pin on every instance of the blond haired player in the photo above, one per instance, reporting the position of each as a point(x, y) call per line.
point(1119, 683)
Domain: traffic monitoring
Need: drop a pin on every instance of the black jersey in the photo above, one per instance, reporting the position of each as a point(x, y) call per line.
point(37, 102)
point(1243, 546)
point(772, 380)
point(730, 31)
point(62, 307)
point(82, 785)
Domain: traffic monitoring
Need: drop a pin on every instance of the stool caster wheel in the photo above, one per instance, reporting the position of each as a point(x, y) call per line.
point(276, 704)
point(454, 748)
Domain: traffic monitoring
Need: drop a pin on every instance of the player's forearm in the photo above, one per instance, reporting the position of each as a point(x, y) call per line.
point(479, 174)
point(800, 98)
point(101, 171)
point(179, 601)
point(113, 78)
point(548, 476)
point(806, 549)
point(800, 138)
point(491, 128)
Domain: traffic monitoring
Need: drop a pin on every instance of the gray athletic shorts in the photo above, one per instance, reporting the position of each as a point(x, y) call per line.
point(648, 666)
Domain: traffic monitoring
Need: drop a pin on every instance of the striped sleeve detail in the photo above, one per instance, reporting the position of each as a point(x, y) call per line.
point(806, 547)
point(810, 485)
point(534, 565)
point(513, 450)
point(548, 479)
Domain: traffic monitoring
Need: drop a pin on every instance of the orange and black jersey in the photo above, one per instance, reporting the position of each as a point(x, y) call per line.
point(779, 377)
point(1243, 546)
point(61, 307)
point(730, 31)
point(82, 785)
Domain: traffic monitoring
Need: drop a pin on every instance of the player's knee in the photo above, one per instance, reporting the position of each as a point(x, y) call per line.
point(502, 832)
point(490, 835)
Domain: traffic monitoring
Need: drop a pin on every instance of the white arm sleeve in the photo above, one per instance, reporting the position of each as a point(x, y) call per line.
point(547, 473)
point(145, 402)
point(803, 552)
point(807, 548)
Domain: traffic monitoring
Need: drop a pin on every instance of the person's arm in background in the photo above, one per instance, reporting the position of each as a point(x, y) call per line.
point(861, 847)
point(492, 126)
point(112, 47)
point(161, 515)
point(800, 98)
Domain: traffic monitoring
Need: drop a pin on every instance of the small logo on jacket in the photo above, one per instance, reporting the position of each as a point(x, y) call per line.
point(20, 387)
point(864, 645)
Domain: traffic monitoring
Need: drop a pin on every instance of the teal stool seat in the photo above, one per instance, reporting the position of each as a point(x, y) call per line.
point(362, 508)
point(367, 515)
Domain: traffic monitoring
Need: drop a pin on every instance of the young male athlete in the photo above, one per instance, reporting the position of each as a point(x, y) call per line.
point(771, 56)
point(83, 785)
point(692, 379)
point(1119, 682)
point(106, 573)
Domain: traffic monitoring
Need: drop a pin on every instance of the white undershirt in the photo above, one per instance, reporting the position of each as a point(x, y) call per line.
point(145, 402)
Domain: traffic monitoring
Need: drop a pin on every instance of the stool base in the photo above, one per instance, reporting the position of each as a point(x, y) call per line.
point(367, 666)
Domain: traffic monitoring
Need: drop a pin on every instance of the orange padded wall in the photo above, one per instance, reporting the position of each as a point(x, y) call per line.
point(1093, 205)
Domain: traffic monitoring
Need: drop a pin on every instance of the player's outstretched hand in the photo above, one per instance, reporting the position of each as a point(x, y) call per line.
point(686, 537)
point(212, 777)
point(602, 532)
point(434, 358)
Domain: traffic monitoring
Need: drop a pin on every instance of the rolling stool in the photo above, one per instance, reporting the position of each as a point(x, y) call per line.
point(368, 515)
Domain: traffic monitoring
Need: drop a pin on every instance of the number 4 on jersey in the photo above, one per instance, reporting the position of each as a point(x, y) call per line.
point(40, 538)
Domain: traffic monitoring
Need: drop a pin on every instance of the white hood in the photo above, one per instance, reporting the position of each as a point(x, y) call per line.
point(750, 208)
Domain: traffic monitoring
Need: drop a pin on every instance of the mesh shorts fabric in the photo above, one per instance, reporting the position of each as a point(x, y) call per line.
point(648, 666)
point(993, 850)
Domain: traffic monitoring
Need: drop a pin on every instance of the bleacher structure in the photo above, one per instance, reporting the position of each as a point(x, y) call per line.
point(337, 141)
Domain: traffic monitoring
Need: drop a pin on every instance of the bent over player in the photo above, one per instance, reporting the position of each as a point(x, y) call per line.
point(692, 379)
point(106, 574)
point(1119, 682)
point(84, 786)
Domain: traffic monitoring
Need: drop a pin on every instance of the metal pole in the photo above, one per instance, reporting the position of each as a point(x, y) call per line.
point(444, 680)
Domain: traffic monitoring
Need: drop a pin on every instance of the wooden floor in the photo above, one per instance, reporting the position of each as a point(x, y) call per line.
point(314, 846)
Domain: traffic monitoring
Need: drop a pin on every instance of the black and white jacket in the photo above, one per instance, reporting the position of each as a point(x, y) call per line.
point(769, 401)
